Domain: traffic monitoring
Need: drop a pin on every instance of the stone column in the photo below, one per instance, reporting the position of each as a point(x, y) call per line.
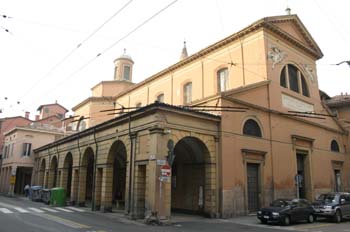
point(74, 186)
point(129, 198)
point(158, 189)
point(98, 188)
point(64, 177)
point(107, 188)
point(82, 186)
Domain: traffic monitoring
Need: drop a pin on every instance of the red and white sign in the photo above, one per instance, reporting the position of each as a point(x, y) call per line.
point(165, 170)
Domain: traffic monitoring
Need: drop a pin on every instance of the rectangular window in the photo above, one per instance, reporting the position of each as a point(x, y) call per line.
point(293, 78)
point(5, 151)
point(222, 80)
point(187, 91)
point(27, 147)
point(11, 149)
point(126, 75)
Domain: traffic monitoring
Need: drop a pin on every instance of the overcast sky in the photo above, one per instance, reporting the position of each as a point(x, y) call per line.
point(41, 62)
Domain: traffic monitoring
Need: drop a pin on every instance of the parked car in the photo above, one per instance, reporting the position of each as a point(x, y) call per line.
point(286, 211)
point(333, 205)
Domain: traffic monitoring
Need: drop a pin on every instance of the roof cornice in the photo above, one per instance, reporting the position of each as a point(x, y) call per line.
point(265, 23)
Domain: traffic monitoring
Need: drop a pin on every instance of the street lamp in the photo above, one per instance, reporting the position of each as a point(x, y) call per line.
point(345, 61)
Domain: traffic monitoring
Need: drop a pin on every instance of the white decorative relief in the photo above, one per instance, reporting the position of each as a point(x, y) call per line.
point(296, 104)
point(276, 55)
point(310, 73)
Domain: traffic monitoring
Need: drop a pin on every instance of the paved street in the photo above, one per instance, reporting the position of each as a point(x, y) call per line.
point(20, 214)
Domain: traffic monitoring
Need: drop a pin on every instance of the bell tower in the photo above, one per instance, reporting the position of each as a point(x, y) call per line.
point(123, 68)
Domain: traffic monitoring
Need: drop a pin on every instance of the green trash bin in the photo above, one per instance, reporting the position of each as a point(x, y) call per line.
point(58, 197)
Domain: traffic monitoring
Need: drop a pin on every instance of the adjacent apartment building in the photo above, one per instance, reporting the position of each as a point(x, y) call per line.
point(19, 137)
point(220, 133)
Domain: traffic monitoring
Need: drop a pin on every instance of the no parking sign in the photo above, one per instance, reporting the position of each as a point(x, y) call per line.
point(165, 170)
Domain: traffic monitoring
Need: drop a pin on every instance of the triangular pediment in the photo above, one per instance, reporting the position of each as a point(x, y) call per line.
point(291, 26)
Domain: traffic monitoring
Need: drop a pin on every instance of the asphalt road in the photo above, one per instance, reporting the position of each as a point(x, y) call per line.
point(20, 214)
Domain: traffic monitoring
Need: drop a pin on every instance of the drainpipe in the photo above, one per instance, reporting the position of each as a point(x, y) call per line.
point(48, 173)
point(78, 167)
point(58, 163)
point(130, 165)
point(93, 205)
point(271, 145)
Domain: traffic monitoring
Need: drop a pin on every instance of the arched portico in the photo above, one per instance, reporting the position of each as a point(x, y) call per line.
point(52, 179)
point(42, 172)
point(191, 180)
point(67, 174)
point(113, 192)
point(86, 177)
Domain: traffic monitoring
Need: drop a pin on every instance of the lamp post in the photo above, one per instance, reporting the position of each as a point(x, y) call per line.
point(345, 61)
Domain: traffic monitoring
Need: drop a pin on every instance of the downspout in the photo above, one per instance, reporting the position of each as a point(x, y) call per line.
point(271, 146)
point(77, 194)
point(94, 177)
point(58, 163)
point(130, 165)
point(49, 167)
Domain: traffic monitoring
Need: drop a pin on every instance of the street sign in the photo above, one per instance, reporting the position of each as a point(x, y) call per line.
point(165, 170)
point(161, 162)
point(12, 179)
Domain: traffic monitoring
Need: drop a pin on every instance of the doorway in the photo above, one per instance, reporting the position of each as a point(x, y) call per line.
point(253, 187)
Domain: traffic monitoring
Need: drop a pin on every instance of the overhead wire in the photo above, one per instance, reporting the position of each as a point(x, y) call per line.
point(111, 46)
point(74, 50)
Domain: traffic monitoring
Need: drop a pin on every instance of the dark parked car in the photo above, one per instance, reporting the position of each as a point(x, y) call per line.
point(286, 211)
point(333, 205)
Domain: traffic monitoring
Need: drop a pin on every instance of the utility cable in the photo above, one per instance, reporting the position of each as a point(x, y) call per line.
point(74, 50)
point(112, 45)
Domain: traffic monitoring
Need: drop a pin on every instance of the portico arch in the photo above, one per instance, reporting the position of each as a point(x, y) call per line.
point(53, 172)
point(113, 193)
point(86, 177)
point(191, 180)
point(42, 172)
point(67, 173)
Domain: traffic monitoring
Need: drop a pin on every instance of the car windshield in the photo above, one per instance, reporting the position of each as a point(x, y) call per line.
point(280, 203)
point(327, 198)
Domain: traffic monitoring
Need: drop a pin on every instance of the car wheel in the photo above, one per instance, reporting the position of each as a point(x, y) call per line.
point(263, 221)
point(286, 220)
point(338, 217)
point(310, 218)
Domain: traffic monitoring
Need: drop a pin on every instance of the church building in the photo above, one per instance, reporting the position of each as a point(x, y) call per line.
point(220, 133)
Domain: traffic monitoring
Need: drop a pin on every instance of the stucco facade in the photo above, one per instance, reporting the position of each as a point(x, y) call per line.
point(264, 124)
point(18, 160)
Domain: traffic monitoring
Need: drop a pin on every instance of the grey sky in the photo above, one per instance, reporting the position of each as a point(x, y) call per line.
point(43, 33)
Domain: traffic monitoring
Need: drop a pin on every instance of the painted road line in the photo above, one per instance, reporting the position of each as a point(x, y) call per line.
point(75, 209)
point(4, 210)
point(50, 210)
point(21, 210)
point(36, 210)
point(64, 210)
point(65, 222)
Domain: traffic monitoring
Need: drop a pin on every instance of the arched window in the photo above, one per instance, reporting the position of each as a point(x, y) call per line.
point(187, 93)
point(334, 146)
point(160, 97)
point(292, 78)
point(126, 74)
point(222, 80)
point(252, 128)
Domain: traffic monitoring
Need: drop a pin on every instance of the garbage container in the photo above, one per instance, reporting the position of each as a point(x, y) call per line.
point(58, 197)
point(45, 195)
point(35, 193)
